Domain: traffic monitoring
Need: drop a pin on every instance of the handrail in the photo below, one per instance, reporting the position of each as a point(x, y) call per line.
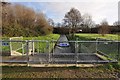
point(50, 41)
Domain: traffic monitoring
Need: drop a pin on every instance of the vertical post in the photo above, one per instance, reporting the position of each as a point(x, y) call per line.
point(77, 45)
point(33, 48)
point(51, 55)
point(23, 49)
point(48, 47)
point(80, 47)
point(96, 45)
point(38, 47)
point(10, 47)
point(27, 50)
point(118, 57)
point(53, 46)
point(76, 52)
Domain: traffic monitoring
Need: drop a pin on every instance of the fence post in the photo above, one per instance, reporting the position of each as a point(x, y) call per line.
point(48, 47)
point(76, 52)
point(118, 57)
point(33, 48)
point(96, 45)
point(47, 51)
point(23, 49)
point(27, 50)
point(53, 47)
point(10, 47)
point(38, 47)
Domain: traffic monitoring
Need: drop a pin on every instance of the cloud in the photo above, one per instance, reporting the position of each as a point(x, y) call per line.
point(56, 9)
point(60, 0)
point(98, 10)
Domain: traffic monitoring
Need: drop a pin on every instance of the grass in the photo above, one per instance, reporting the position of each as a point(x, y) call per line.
point(106, 71)
point(94, 36)
point(6, 48)
point(41, 46)
point(111, 49)
point(47, 37)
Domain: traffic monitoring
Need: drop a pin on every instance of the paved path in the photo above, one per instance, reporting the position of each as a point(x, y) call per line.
point(62, 49)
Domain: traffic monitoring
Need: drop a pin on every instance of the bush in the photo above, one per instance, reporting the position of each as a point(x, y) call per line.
point(112, 66)
point(14, 23)
point(116, 65)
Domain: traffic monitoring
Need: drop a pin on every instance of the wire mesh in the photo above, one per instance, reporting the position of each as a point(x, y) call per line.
point(70, 52)
point(109, 49)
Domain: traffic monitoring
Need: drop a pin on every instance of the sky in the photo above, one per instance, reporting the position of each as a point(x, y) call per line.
point(56, 9)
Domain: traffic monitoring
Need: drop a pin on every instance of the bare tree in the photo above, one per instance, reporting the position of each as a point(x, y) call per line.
point(87, 21)
point(73, 19)
point(18, 20)
point(24, 16)
point(104, 28)
point(7, 18)
point(51, 22)
point(116, 23)
point(58, 24)
point(42, 25)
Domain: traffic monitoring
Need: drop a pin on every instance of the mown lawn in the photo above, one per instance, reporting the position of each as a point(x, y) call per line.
point(111, 48)
point(41, 45)
point(94, 36)
point(47, 37)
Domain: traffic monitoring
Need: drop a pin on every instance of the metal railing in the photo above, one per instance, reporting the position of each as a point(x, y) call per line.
point(49, 52)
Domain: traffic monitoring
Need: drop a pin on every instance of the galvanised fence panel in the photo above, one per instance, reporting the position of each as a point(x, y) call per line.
point(110, 49)
point(66, 52)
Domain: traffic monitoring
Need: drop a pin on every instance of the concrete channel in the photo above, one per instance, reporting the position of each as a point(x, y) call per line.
point(64, 55)
point(60, 56)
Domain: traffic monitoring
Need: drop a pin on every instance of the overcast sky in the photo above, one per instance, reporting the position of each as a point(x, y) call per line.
point(56, 9)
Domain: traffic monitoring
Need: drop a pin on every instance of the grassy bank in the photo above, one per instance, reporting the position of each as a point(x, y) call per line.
point(41, 45)
point(94, 36)
point(111, 48)
point(106, 71)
